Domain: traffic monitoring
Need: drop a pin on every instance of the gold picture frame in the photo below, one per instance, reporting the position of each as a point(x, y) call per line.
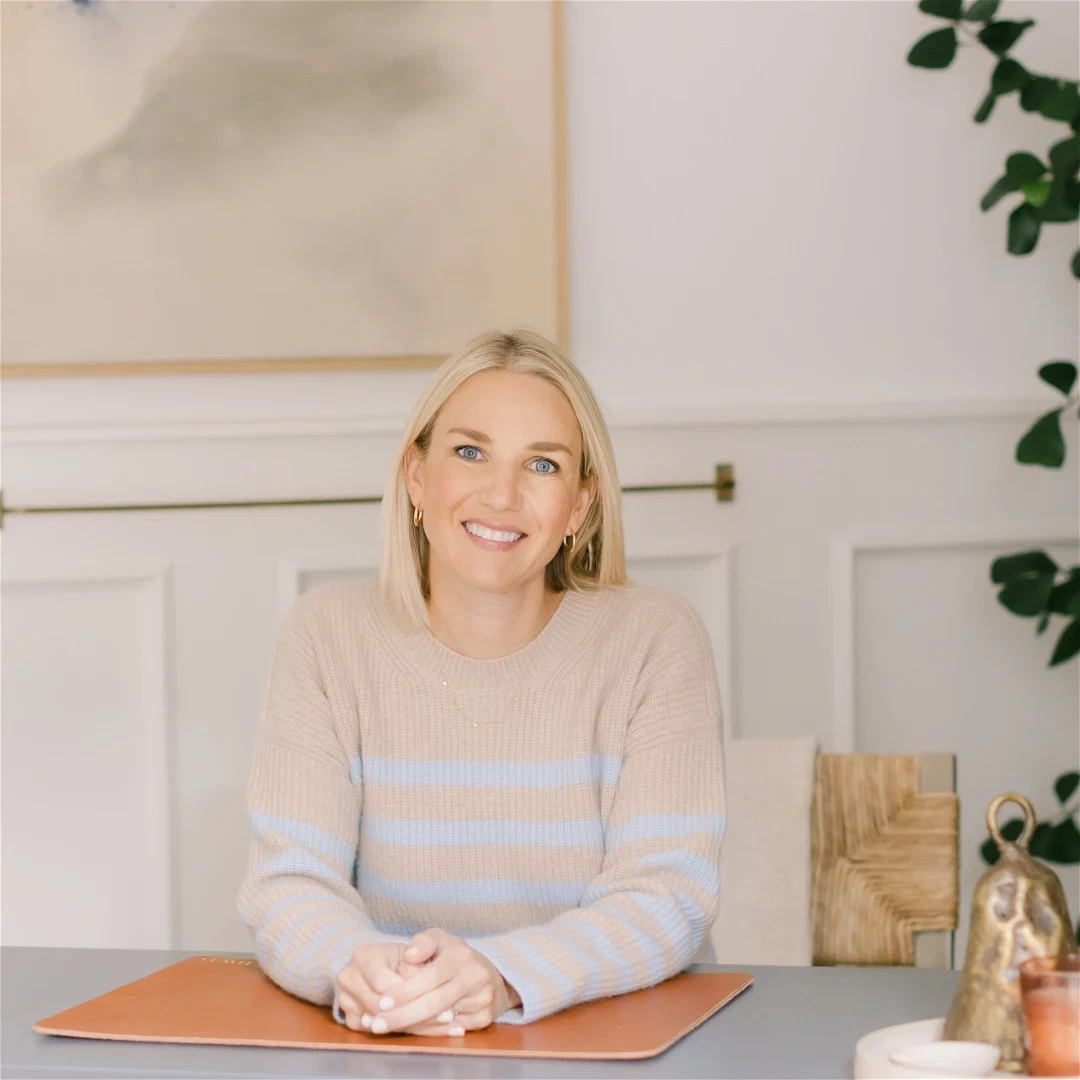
point(61, 215)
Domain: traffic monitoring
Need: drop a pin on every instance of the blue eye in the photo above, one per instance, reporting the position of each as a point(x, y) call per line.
point(545, 461)
point(468, 456)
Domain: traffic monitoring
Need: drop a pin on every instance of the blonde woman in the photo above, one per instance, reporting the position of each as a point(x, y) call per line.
point(488, 785)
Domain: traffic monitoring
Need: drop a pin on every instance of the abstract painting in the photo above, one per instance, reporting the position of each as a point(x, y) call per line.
point(228, 183)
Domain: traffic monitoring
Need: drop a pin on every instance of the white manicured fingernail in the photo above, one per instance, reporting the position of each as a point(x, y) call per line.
point(445, 1017)
point(378, 1025)
point(386, 1002)
point(457, 1029)
point(365, 1020)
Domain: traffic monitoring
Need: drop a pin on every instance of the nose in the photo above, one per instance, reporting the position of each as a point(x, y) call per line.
point(501, 490)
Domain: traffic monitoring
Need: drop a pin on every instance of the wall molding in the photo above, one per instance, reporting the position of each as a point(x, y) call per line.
point(362, 426)
point(157, 588)
point(845, 550)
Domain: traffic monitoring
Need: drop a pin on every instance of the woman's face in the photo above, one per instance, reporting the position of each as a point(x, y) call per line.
point(499, 486)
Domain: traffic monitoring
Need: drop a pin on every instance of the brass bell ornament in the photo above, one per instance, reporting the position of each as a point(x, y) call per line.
point(1018, 912)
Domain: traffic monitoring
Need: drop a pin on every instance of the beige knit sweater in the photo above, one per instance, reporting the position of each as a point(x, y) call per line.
point(560, 807)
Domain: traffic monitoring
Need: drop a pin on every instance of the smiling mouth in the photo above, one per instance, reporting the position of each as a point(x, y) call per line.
point(496, 537)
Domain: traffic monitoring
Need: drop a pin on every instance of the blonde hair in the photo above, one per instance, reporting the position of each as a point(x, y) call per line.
point(598, 558)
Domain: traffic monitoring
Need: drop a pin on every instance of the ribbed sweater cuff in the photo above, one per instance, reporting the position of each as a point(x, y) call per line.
point(532, 1003)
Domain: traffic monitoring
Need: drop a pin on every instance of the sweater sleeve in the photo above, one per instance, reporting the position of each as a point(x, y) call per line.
point(641, 920)
point(299, 899)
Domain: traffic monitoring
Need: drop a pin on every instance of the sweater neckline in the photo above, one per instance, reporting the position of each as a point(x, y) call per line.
point(560, 639)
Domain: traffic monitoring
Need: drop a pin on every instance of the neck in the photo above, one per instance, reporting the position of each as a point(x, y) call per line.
point(486, 625)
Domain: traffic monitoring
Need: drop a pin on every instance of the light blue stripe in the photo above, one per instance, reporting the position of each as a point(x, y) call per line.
point(280, 945)
point(299, 862)
point(663, 827)
point(536, 959)
point(683, 919)
point(595, 981)
point(305, 835)
point(689, 911)
point(531, 998)
point(591, 768)
point(356, 769)
point(561, 894)
point(583, 832)
point(302, 965)
point(409, 930)
point(701, 871)
point(608, 950)
point(650, 949)
point(291, 901)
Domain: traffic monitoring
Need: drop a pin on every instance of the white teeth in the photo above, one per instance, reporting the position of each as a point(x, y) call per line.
point(491, 534)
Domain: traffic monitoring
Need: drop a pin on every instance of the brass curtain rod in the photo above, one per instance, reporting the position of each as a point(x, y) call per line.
point(722, 485)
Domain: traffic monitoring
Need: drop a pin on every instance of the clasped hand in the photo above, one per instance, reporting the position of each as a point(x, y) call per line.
point(435, 985)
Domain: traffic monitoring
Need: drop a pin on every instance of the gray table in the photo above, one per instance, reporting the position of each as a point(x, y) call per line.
point(794, 1022)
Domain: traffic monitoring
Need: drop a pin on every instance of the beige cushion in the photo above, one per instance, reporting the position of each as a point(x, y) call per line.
point(765, 857)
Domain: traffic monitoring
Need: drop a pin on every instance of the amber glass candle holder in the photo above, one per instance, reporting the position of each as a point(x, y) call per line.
point(1050, 996)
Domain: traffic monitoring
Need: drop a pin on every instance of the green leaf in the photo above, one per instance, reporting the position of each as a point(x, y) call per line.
point(986, 107)
point(1023, 233)
point(943, 9)
point(982, 10)
point(1008, 567)
point(1065, 599)
point(1036, 92)
point(1065, 155)
point(1000, 187)
point(1042, 624)
point(1043, 443)
point(1027, 596)
point(1076, 264)
point(1000, 37)
point(935, 50)
point(1057, 843)
point(1060, 374)
point(1037, 192)
point(1065, 785)
point(1068, 645)
point(1063, 202)
point(1061, 103)
point(1024, 168)
point(1009, 75)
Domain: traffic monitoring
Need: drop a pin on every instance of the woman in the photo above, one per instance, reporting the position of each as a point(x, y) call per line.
point(488, 785)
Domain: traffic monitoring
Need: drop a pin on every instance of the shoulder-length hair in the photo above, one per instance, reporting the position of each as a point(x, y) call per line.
point(598, 558)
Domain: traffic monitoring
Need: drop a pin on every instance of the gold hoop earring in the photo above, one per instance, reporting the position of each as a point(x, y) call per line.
point(417, 516)
point(573, 541)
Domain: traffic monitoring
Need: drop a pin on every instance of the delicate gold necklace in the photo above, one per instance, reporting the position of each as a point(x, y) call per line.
point(515, 699)
point(461, 712)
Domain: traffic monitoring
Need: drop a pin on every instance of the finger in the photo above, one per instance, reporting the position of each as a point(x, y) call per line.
point(422, 947)
point(355, 995)
point(407, 970)
point(422, 1010)
point(477, 1001)
point(432, 975)
point(367, 983)
point(437, 1030)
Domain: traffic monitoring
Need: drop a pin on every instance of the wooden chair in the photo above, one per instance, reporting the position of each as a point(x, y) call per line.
point(884, 859)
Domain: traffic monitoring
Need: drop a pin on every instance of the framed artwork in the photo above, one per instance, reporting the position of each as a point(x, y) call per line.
point(288, 185)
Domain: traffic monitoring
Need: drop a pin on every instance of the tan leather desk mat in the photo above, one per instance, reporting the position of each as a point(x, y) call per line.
point(231, 1002)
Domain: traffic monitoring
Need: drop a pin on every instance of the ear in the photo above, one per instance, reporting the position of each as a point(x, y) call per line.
point(413, 476)
point(584, 501)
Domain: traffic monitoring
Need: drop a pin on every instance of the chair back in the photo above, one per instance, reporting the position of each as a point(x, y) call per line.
point(884, 859)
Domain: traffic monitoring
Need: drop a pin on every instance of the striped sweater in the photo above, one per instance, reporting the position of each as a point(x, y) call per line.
point(561, 808)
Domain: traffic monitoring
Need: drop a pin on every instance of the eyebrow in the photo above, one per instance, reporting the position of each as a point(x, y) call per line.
point(480, 437)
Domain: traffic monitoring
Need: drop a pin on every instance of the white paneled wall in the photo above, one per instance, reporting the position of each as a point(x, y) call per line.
point(846, 591)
